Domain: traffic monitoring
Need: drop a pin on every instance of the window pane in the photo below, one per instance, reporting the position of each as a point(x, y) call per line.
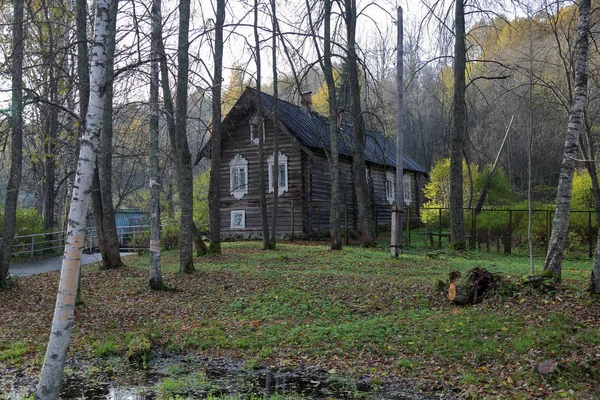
point(282, 176)
point(242, 179)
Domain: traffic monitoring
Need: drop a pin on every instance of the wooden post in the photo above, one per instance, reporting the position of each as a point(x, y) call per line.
point(440, 228)
point(395, 251)
point(293, 227)
point(473, 227)
point(396, 237)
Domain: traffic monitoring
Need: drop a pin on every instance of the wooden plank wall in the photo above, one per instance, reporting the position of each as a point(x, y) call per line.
point(237, 141)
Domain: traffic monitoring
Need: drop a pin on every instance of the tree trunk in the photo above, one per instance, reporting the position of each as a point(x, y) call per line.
point(62, 324)
point(217, 130)
point(334, 134)
point(111, 256)
point(460, 292)
point(358, 129)
point(261, 145)
point(560, 224)
point(154, 273)
point(51, 135)
point(185, 181)
point(16, 147)
point(275, 112)
point(457, 225)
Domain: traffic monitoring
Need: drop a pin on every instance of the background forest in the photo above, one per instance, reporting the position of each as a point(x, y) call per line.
point(520, 63)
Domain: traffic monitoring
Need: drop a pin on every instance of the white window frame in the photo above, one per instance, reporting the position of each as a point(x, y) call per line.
point(256, 123)
point(406, 189)
point(283, 162)
point(390, 183)
point(390, 187)
point(237, 165)
point(242, 224)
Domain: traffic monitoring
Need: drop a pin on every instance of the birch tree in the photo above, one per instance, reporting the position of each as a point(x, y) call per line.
point(16, 147)
point(155, 275)
point(62, 323)
point(560, 224)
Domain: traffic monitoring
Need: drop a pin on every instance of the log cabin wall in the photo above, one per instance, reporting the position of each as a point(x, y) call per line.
point(236, 140)
point(382, 210)
point(320, 189)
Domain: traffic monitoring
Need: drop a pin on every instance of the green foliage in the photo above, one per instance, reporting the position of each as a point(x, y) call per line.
point(438, 189)
point(14, 352)
point(28, 222)
point(139, 348)
point(582, 197)
point(201, 212)
point(106, 348)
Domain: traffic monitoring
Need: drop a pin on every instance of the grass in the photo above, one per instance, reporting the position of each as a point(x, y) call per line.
point(355, 312)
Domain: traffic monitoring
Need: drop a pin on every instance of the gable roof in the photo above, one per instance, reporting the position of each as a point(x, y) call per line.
point(312, 130)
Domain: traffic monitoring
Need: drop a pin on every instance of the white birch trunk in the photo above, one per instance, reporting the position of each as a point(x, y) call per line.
point(560, 225)
point(62, 324)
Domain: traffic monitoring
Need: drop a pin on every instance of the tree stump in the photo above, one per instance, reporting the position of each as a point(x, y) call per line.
point(461, 292)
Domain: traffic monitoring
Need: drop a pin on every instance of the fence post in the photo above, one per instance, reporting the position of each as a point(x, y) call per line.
point(346, 224)
point(293, 228)
point(440, 228)
point(473, 228)
point(32, 245)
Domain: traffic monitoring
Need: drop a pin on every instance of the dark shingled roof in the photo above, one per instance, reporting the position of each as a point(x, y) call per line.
point(313, 131)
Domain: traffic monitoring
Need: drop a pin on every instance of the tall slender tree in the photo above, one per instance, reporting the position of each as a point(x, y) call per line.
point(275, 113)
point(261, 142)
point(457, 135)
point(359, 167)
point(155, 274)
point(575, 125)
point(16, 147)
point(185, 181)
point(62, 323)
point(102, 199)
point(217, 130)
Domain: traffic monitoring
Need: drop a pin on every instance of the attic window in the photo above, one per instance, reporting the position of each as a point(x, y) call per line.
point(281, 171)
point(257, 125)
point(238, 176)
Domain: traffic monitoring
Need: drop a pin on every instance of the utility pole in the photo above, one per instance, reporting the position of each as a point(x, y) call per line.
point(398, 207)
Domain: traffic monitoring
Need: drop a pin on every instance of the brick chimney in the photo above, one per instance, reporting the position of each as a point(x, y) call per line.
point(307, 101)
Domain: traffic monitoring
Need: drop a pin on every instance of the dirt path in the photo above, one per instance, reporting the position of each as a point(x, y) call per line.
point(51, 264)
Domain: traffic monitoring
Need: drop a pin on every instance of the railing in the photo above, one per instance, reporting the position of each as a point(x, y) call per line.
point(44, 244)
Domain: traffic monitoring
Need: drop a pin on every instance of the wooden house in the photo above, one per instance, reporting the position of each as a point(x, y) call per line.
point(304, 179)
